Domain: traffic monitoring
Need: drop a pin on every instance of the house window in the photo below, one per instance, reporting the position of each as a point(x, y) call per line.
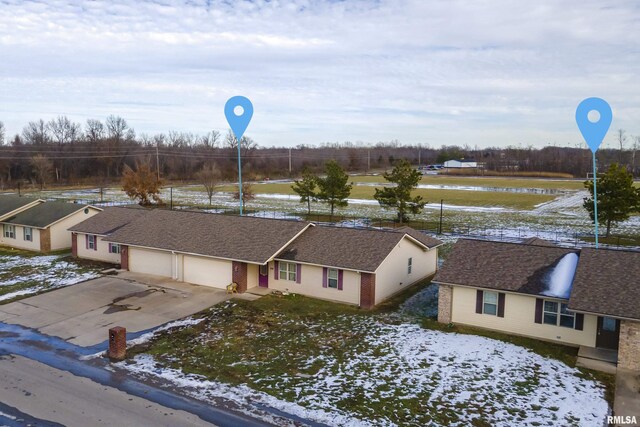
point(28, 234)
point(490, 303)
point(9, 231)
point(609, 324)
point(114, 248)
point(558, 314)
point(409, 265)
point(332, 278)
point(91, 242)
point(287, 271)
point(550, 313)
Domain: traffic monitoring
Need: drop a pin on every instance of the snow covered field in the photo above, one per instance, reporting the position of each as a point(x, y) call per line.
point(25, 275)
point(394, 372)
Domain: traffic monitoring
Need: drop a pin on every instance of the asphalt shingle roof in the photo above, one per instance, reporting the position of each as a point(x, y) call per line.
point(109, 220)
point(222, 236)
point(504, 266)
point(350, 248)
point(44, 214)
point(11, 202)
point(607, 282)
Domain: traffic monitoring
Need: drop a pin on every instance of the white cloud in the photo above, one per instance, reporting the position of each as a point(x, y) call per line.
point(482, 73)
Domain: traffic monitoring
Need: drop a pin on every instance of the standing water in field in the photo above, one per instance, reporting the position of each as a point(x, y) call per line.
point(560, 279)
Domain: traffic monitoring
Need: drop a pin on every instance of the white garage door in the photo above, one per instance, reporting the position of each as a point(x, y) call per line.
point(207, 271)
point(148, 261)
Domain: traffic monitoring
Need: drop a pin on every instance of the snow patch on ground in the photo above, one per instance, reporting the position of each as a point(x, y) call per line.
point(467, 375)
point(200, 388)
point(24, 275)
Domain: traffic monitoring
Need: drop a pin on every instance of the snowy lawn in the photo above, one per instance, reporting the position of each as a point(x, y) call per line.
point(23, 274)
point(342, 366)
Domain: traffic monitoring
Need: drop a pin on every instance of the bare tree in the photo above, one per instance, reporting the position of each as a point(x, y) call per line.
point(622, 139)
point(209, 177)
point(35, 133)
point(42, 169)
point(636, 147)
point(117, 128)
point(94, 131)
point(63, 130)
point(2, 133)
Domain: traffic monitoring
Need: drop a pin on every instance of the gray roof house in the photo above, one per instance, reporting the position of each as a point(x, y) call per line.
point(41, 226)
point(583, 297)
point(356, 266)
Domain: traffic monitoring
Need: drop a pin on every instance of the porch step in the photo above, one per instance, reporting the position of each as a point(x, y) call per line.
point(598, 359)
point(596, 365)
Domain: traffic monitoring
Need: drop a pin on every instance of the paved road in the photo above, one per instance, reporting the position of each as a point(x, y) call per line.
point(58, 397)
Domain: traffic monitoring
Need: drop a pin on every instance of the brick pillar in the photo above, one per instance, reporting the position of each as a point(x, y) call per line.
point(117, 343)
point(239, 275)
point(45, 240)
point(445, 300)
point(124, 257)
point(629, 346)
point(74, 245)
point(367, 290)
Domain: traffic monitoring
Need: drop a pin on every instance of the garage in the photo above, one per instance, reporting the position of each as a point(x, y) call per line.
point(148, 261)
point(207, 271)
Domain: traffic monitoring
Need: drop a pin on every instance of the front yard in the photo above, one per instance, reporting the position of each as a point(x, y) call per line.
point(342, 366)
point(23, 274)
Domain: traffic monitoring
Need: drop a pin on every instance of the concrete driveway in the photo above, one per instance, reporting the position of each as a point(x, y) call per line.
point(83, 313)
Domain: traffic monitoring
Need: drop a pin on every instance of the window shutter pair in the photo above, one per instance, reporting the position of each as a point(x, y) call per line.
point(276, 268)
point(325, 278)
point(298, 273)
point(579, 325)
point(480, 302)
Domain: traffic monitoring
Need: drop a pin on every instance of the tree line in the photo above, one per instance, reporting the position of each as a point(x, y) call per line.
point(98, 152)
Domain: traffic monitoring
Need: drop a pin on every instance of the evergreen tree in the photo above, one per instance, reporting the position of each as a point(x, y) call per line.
point(406, 179)
point(617, 197)
point(334, 189)
point(306, 188)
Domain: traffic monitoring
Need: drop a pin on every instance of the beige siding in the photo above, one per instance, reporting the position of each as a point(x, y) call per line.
point(252, 275)
point(207, 271)
point(312, 285)
point(147, 261)
point(60, 234)
point(392, 275)
point(19, 241)
point(519, 315)
point(101, 253)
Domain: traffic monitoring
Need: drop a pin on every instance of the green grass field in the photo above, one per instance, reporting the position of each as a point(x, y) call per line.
point(506, 182)
point(453, 197)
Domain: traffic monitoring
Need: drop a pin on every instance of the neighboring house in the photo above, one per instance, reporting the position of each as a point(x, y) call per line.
point(457, 164)
point(11, 205)
point(43, 227)
point(355, 266)
point(576, 297)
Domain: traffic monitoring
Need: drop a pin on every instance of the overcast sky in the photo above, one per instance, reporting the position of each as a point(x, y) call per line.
point(432, 72)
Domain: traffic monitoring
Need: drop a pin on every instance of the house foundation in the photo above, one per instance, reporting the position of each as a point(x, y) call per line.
point(445, 299)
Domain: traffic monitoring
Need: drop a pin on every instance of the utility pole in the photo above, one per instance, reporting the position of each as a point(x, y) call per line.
point(419, 156)
point(157, 161)
point(289, 161)
point(368, 160)
point(440, 228)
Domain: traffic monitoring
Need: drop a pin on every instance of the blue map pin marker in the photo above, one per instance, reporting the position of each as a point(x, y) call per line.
point(593, 132)
point(237, 122)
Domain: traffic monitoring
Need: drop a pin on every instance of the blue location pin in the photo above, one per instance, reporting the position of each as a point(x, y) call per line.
point(593, 132)
point(239, 122)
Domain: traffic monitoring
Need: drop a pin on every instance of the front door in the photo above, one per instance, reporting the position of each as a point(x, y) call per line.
point(263, 276)
point(608, 333)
